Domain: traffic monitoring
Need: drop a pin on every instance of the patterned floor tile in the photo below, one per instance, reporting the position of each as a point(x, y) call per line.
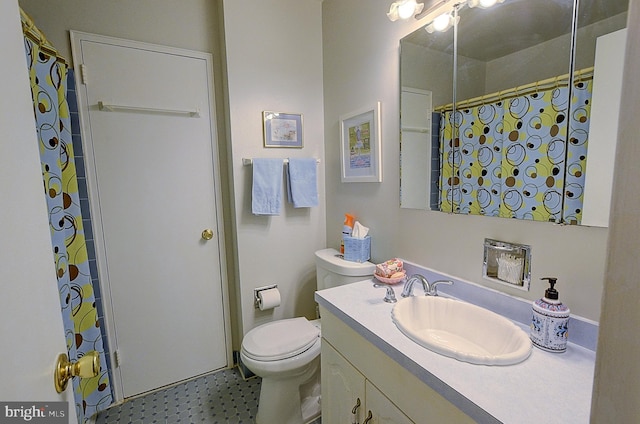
point(220, 398)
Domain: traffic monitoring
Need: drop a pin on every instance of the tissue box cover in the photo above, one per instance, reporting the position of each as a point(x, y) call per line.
point(357, 250)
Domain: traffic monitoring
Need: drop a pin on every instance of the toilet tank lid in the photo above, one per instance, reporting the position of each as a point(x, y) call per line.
point(280, 339)
point(331, 260)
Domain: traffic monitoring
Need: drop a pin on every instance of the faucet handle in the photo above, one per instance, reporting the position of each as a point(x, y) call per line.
point(433, 289)
point(390, 297)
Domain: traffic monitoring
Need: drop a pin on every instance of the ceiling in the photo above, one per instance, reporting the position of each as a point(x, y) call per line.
point(487, 34)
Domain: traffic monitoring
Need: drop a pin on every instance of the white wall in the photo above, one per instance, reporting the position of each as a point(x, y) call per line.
point(617, 377)
point(274, 62)
point(361, 65)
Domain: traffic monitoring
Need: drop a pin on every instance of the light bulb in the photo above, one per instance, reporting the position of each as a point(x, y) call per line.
point(406, 9)
point(484, 4)
point(442, 22)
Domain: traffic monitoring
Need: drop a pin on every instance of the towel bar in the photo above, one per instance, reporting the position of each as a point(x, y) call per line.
point(112, 108)
point(249, 161)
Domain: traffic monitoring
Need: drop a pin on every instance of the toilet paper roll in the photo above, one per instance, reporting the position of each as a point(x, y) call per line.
point(268, 299)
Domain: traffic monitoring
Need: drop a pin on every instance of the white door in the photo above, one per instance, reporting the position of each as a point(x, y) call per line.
point(30, 320)
point(150, 145)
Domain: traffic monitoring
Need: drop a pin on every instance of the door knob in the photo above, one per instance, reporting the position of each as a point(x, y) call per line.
point(88, 366)
point(207, 234)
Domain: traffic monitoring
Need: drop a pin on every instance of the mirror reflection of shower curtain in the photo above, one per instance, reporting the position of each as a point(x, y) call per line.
point(448, 180)
point(509, 158)
point(48, 74)
point(577, 155)
point(473, 186)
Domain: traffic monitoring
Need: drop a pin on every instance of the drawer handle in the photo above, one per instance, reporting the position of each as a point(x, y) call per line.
point(369, 417)
point(354, 412)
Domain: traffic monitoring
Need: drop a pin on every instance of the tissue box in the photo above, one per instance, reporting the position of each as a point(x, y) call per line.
point(357, 250)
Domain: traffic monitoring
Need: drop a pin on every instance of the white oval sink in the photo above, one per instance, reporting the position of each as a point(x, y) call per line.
point(461, 330)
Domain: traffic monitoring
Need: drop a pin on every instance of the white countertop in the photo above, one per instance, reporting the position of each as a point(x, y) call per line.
point(545, 388)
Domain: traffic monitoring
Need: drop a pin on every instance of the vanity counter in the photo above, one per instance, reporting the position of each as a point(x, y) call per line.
point(546, 387)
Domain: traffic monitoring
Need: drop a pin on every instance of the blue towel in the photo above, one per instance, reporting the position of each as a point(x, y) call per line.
point(266, 193)
point(302, 188)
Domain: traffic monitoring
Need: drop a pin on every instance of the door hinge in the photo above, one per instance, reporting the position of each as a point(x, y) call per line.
point(84, 74)
point(117, 358)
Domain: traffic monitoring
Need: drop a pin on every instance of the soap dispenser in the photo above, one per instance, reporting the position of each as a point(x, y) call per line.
point(550, 322)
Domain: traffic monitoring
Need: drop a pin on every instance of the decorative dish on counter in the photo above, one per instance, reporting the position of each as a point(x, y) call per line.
point(390, 272)
point(394, 279)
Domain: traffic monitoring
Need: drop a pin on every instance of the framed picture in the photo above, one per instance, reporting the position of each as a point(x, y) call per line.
point(360, 145)
point(282, 129)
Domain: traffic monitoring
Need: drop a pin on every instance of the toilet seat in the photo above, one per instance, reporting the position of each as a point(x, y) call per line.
point(280, 339)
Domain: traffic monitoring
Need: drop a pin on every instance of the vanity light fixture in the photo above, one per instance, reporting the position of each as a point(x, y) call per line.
point(404, 9)
point(484, 4)
point(442, 23)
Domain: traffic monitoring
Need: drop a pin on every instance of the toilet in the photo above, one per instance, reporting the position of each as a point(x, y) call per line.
point(286, 352)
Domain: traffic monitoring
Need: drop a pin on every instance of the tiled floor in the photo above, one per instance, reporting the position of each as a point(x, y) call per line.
point(221, 398)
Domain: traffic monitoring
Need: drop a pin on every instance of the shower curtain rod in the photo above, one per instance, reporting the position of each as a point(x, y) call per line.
point(511, 93)
point(30, 30)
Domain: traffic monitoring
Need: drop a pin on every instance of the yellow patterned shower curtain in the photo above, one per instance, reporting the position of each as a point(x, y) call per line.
point(47, 74)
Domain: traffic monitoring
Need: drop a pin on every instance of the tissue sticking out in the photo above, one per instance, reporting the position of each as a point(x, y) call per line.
point(359, 230)
point(510, 268)
point(357, 244)
point(507, 263)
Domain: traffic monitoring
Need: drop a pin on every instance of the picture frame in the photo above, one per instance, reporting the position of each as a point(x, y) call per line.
point(360, 139)
point(282, 129)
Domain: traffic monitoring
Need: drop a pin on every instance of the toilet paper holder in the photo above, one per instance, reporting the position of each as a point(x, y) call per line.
point(256, 299)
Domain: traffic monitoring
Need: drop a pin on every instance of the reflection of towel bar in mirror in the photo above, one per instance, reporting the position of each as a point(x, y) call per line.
point(112, 108)
point(249, 161)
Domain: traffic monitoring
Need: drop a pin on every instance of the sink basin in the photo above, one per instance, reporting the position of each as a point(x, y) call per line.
point(461, 330)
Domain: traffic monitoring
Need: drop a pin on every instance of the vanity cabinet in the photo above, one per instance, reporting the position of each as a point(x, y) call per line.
point(349, 397)
point(353, 368)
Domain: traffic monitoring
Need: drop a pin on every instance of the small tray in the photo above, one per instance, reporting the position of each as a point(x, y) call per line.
point(390, 280)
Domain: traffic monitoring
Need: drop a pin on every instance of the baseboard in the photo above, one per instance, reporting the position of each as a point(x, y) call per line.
point(244, 371)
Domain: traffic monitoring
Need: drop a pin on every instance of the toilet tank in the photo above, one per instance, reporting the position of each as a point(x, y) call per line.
point(332, 270)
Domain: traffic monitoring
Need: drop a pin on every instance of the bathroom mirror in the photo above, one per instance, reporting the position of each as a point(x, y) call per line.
point(427, 69)
point(509, 58)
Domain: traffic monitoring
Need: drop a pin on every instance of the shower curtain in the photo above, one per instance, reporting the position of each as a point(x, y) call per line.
point(472, 160)
point(507, 158)
point(47, 74)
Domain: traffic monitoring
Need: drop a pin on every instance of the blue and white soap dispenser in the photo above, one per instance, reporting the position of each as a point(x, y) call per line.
point(550, 322)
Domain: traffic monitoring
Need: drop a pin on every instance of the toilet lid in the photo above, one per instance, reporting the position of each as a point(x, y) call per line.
point(280, 339)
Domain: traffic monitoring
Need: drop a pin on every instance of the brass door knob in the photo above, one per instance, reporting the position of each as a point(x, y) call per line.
point(207, 234)
point(88, 366)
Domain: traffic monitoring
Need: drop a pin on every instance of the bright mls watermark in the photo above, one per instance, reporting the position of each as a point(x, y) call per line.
point(34, 412)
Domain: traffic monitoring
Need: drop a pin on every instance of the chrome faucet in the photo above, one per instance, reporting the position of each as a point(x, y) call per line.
point(390, 297)
point(408, 286)
point(430, 289)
